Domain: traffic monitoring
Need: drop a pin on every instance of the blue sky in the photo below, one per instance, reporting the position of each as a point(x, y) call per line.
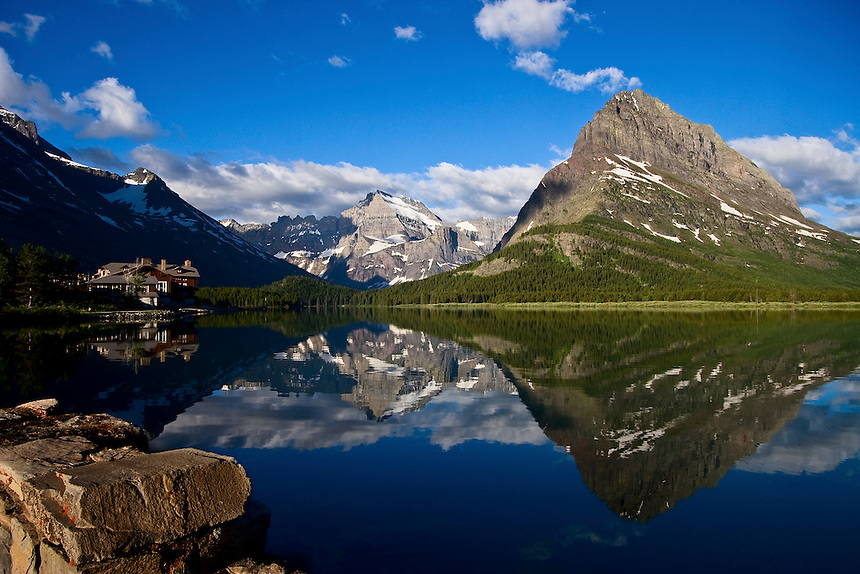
point(253, 109)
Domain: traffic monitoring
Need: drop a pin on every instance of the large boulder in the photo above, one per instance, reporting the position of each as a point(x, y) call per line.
point(79, 495)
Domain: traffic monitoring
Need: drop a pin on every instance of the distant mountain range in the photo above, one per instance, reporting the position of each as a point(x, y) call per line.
point(651, 205)
point(98, 217)
point(383, 240)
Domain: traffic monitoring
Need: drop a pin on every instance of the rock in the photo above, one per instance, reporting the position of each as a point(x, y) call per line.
point(23, 549)
point(40, 408)
point(248, 566)
point(78, 495)
point(95, 511)
point(5, 545)
point(21, 425)
point(639, 161)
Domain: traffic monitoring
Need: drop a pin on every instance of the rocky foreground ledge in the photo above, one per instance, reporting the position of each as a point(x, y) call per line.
point(79, 494)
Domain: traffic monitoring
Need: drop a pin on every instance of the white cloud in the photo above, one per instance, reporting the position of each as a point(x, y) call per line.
point(261, 192)
point(529, 24)
point(823, 177)
point(526, 24)
point(455, 192)
point(344, 19)
point(812, 167)
point(847, 218)
point(607, 80)
point(117, 111)
point(535, 63)
point(407, 33)
point(30, 27)
point(31, 96)
point(181, 10)
point(339, 62)
point(103, 50)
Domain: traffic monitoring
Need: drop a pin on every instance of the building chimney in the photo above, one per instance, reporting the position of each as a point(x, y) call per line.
point(145, 261)
point(188, 263)
point(163, 264)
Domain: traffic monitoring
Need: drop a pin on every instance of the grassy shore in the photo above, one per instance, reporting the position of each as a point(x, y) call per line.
point(655, 305)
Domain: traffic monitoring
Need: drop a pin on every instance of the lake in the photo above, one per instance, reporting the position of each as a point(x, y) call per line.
point(500, 441)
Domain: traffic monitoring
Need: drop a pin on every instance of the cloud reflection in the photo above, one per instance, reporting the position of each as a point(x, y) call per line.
point(261, 418)
point(825, 434)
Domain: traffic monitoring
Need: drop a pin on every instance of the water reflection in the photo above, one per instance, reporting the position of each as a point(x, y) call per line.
point(652, 407)
point(655, 407)
point(141, 345)
point(353, 386)
point(825, 433)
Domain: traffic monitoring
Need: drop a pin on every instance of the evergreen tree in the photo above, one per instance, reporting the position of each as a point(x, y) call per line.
point(33, 269)
point(7, 274)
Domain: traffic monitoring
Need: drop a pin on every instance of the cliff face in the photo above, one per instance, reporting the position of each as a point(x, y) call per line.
point(640, 162)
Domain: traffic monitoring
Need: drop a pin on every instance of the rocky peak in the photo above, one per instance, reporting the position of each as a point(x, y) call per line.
point(20, 125)
point(28, 129)
point(639, 161)
point(381, 216)
point(239, 228)
point(641, 127)
point(141, 176)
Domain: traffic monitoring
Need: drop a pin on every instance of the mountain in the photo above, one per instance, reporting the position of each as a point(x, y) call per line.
point(383, 240)
point(651, 205)
point(98, 217)
point(639, 162)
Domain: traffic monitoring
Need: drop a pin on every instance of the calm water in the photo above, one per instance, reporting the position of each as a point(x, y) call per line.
point(501, 442)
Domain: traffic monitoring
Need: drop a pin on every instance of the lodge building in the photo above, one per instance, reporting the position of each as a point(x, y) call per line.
point(155, 285)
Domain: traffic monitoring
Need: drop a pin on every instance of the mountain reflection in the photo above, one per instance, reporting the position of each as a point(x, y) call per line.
point(655, 406)
point(392, 370)
point(355, 385)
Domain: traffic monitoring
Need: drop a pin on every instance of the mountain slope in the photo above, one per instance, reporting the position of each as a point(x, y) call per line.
point(97, 216)
point(652, 206)
point(383, 240)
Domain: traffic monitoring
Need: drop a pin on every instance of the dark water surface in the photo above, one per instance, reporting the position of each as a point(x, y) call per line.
point(446, 441)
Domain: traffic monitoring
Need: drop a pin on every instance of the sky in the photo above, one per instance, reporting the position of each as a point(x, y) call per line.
point(253, 109)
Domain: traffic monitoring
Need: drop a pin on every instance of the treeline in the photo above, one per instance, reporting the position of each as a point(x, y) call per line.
point(288, 293)
point(36, 277)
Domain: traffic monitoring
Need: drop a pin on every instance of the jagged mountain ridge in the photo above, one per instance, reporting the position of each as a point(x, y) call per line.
point(382, 240)
point(97, 216)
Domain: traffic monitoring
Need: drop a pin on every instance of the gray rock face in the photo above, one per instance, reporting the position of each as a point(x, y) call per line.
point(75, 499)
point(486, 232)
point(380, 241)
point(639, 162)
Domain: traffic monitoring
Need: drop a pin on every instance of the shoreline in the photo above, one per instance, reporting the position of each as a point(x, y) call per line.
point(649, 306)
point(143, 315)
